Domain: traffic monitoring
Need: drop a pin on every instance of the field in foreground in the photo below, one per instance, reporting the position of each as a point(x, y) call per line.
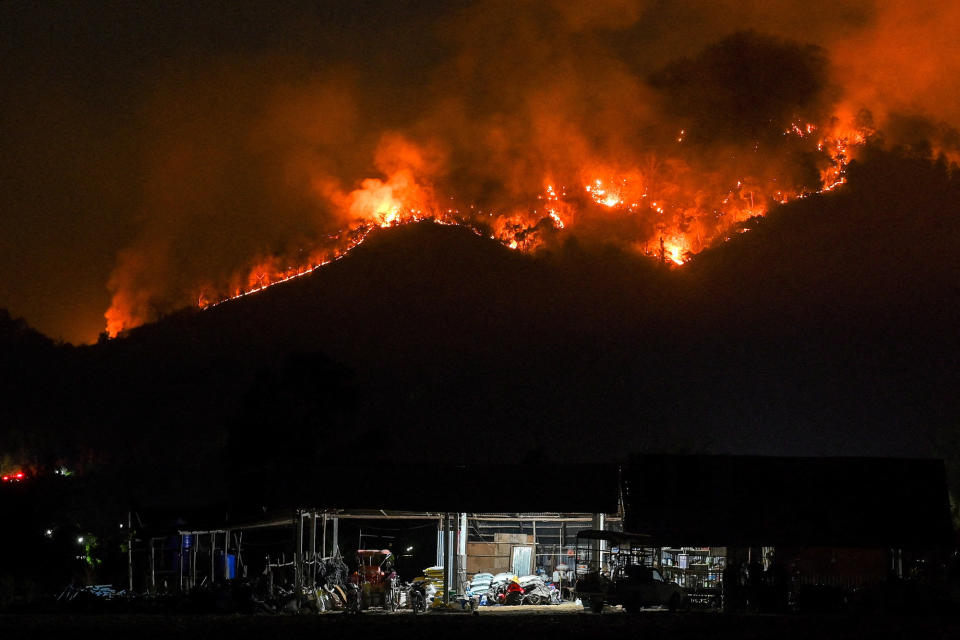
point(525, 622)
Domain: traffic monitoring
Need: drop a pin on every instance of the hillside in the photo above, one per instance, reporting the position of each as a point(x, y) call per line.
point(798, 337)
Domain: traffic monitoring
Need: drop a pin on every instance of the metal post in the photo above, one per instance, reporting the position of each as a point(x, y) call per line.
point(180, 563)
point(455, 540)
point(313, 551)
point(534, 567)
point(441, 546)
point(335, 550)
point(462, 552)
point(448, 565)
point(195, 548)
point(213, 556)
point(226, 555)
point(597, 547)
point(603, 543)
point(323, 550)
point(153, 573)
point(298, 561)
point(129, 551)
point(561, 557)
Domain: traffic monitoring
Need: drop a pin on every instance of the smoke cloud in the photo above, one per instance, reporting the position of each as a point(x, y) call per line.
point(660, 126)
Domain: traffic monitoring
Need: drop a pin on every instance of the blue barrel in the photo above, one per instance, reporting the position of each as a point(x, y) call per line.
point(231, 565)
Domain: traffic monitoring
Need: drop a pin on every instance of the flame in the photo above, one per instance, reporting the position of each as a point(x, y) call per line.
point(685, 217)
point(603, 195)
point(673, 251)
point(402, 198)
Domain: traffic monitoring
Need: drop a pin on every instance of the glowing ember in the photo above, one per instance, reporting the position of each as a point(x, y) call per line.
point(603, 195)
point(382, 203)
point(683, 217)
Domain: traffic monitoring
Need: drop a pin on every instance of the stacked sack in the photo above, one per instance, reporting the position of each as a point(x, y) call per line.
point(480, 586)
point(435, 577)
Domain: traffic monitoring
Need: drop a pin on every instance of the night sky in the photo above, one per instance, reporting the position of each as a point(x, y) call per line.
point(152, 151)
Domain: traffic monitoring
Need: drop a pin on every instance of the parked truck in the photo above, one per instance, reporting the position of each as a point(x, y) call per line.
point(618, 569)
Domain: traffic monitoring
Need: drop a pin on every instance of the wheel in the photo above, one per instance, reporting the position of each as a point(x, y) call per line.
point(674, 602)
point(417, 602)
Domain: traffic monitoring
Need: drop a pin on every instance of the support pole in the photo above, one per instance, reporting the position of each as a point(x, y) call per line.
point(323, 550)
point(213, 557)
point(180, 563)
point(455, 553)
point(298, 561)
point(441, 548)
point(226, 555)
point(561, 557)
point(335, 550)
point(444, 526)
point(195, 549)
point(534, 558)
point(153, 570)
point(462, 552)
point(313, 551)
point(129, 551)
point(598, 546)
point(448, 564)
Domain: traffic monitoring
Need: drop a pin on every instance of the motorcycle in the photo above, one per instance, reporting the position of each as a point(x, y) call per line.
point(417, 596)
point(353, 598)
point(534, 591)
point(391, 593)
point(512, 594)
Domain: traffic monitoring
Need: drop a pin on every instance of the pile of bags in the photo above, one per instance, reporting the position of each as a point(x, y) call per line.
point(480, 586)
point(435, 582)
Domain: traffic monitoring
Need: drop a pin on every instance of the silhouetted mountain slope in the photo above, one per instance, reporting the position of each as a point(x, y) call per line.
point(884, 244)
point(829, 328)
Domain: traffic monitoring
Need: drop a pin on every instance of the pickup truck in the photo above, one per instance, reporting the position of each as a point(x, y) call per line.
point(613, 569)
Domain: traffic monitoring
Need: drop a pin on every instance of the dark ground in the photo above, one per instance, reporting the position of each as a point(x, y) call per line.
point(497, 624)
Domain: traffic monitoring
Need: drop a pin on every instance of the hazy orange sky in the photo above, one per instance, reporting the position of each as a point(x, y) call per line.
point(149, 147)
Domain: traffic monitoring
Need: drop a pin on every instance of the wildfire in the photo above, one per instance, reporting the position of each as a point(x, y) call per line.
point(400, 200)
point(602, 195)
point(682, 218)
point(672, 251)
point(800, 130)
